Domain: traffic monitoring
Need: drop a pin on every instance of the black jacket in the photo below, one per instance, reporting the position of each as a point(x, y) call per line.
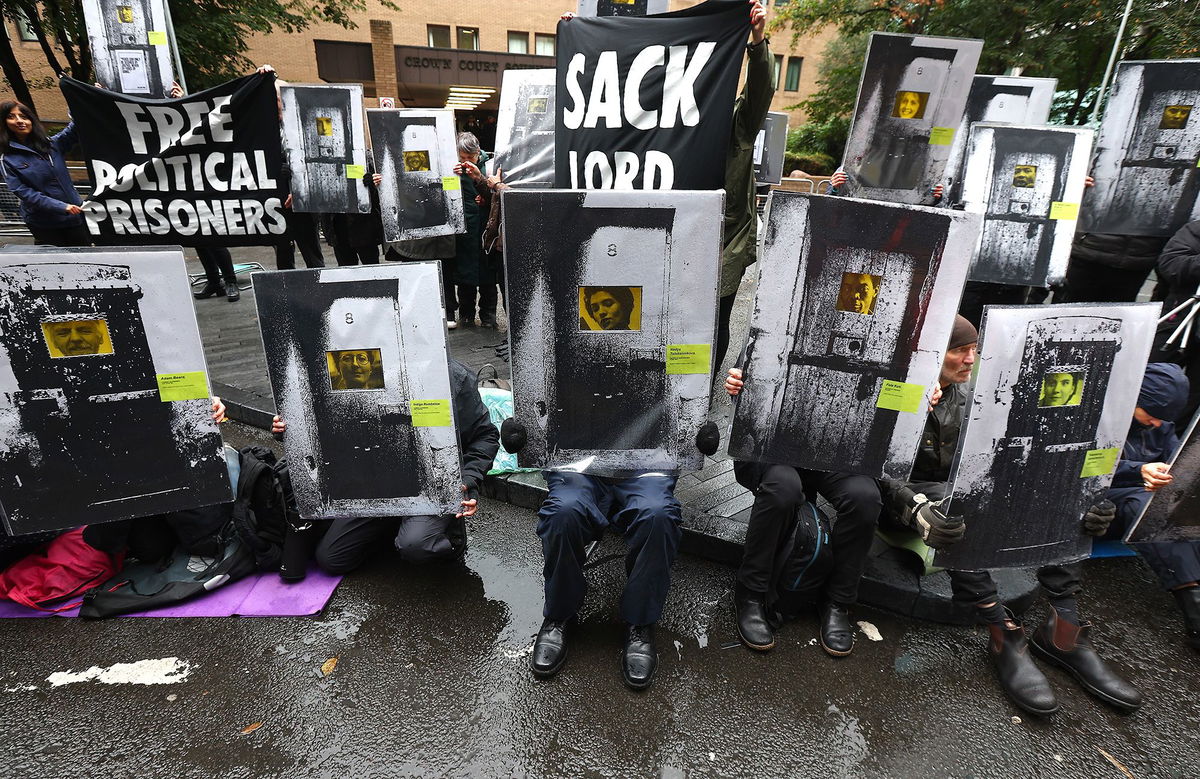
point(1178, 270)
point(478, 438)
point(1128, 252)
point(939, 441)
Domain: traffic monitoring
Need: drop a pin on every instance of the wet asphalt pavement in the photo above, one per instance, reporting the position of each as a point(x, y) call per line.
point(432, 680)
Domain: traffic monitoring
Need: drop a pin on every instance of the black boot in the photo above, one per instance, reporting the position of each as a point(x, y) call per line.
point(232, 293)
point(211, 289)
point(1189, 603)
point(752, 625)
point(1019, 676)
point(549, 649)
point(837, 634)
point(640, 658)
point(1069, 647)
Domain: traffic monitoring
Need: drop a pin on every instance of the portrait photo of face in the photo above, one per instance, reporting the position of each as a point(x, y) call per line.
point(355, 369)
point(416, 161)
point(537, 105)
point(324, 126)
point(910, 105)
point(1024, 176)
point(77, 337)
point(858, 293)
point(1061, 389)
point(1175, 117)
point(610, 308)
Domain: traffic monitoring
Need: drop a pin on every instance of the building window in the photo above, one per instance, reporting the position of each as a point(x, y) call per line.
point(24, 28)
point(776, 67)
point(518, 42)
point(792, 83)
point(439, 36)
point(543, 43)
point(468, 38)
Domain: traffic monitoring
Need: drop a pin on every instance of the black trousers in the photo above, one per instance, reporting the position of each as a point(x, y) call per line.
point(779, 493)
point(353, 255)
point(488, 295)
point(724, 313)
point(1090, 282)
point(218, 264)
point(349, 542)
point(61, 236)
point(979, 589)
point(303, 231)
point(977, 294)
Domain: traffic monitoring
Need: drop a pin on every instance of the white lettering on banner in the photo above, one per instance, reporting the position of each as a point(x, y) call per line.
point(622, 172)
point(187, 172)
point(185, 124)
point(605, 101)
point(205, 217)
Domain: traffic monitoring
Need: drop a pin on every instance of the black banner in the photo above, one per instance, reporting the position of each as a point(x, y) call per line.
point(203, 170)
point(647, 103)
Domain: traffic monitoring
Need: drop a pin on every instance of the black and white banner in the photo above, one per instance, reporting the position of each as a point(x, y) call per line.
point(646, 103)
point(202, 170)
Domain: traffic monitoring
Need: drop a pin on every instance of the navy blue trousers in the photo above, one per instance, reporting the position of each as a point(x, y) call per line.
point(1174, 562)
point(579, 508)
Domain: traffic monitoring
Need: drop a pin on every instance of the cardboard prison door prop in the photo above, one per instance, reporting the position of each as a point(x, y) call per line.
point(358, 365)
point(1172, 513)
point(525, 128)
point(1049, 406)
point(1147, 151)
point(104, 397)
point(997, 100)
point(326, 147)
point(910, 103)
point(853, 310)
point(129, 43)
point(612, 306)
point(769, 147)
point(1028, 183)
point(420, 196)
point(621, 7)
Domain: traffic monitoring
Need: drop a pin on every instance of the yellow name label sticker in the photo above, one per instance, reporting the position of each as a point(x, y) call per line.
point(451, 183)
point(156, 38)
point(900, 396)
point(688, 358)
point(192, 385)
point(356, 171)
point(941, 136)
point(430, 413)
point(1060, 210)
point(1099, 462)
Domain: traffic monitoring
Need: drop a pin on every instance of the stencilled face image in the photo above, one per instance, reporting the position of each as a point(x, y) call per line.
point(610, 308)
point(1061, 389)
point(858, 293)
point(355, 369)
point(1024, 176)
point(324, 126)
point(416, 160)
point(1175, 117)
point(77, 337)
point(910, 105)
point(537, 105)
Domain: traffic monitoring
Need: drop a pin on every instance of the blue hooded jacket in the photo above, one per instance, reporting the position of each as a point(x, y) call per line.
point(41, 182)
point(1164, 395)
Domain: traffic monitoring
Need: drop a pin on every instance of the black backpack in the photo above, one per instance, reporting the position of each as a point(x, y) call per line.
point(265, 506)
point(806, 561)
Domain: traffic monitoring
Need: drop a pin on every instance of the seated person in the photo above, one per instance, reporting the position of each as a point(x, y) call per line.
point(1142, 471)
point(779, 491)
point(1064, 638)
point(348, 542)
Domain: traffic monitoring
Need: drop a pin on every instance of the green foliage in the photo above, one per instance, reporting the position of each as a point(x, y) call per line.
point(826, 138)
point(813, 164)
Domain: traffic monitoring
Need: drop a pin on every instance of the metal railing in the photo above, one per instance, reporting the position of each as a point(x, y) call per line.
point(10, 214)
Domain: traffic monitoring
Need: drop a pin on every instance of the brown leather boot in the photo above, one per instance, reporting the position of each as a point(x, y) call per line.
point(1069, 646)
point(1018, 674)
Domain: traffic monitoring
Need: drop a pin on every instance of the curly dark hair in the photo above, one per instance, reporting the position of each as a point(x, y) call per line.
point(622, 295)
point(38, 140)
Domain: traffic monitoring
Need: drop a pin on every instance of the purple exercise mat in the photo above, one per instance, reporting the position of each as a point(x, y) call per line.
point(260, 595)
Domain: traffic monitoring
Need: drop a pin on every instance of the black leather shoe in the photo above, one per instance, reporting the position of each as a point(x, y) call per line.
point(1024, 682)
point(549, 649)
point(837, 634)
point(640, 658)
point(210, 290)
point(1189, 603)
point(232, 293)
point(752, 625)
point(1069, 647)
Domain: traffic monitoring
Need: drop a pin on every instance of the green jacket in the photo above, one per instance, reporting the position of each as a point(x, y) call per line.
point(741, 225)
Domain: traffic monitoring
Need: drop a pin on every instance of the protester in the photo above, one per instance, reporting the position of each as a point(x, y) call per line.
point(302, 231)
point(1142, 471)
point(1064, 638)
point(779, 491)
point(1178, 270)
point(35, 170)
point(473, 274)
point(355, 237)
point(348, 542)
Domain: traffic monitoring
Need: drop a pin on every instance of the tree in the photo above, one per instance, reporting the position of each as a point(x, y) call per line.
point(1065, 39)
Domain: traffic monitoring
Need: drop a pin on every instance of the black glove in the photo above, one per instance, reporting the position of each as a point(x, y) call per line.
point(935, 528)
point(1099, 517)
point(708, 438)
point(512, 435)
